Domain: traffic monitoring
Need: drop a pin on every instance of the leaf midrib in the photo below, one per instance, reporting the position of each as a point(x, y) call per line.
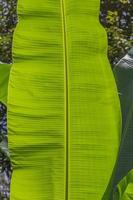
point(66, 87)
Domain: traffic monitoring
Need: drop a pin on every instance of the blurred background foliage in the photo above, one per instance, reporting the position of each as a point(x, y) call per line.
point(115, 16)
point(8, 20)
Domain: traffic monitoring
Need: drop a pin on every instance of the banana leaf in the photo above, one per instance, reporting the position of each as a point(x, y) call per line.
point(64, 117)
point(4, 77)
point(124, 78)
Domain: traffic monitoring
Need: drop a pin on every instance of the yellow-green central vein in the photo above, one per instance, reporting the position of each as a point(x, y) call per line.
point(64, 29)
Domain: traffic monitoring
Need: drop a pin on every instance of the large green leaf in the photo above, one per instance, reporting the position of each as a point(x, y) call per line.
point(63, 108)
point(4, 77)
point(124, 79)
